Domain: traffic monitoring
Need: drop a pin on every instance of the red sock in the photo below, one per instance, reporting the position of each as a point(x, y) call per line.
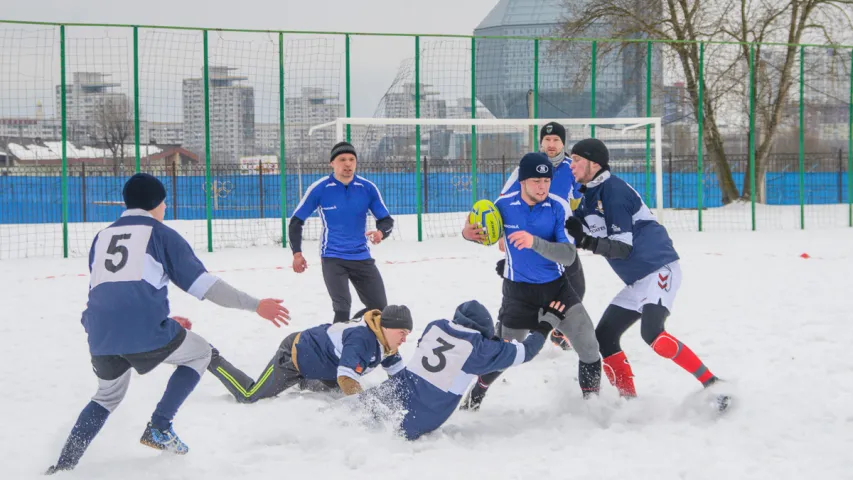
point(670, 347)
point(618, 371)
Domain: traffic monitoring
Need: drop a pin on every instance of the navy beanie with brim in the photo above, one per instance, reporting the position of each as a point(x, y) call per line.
point(535, 165)
point(143, 191)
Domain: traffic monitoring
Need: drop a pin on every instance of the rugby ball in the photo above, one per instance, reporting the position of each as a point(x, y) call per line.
point(486, 215)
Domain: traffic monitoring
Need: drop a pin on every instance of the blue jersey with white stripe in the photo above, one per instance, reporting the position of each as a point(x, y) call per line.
point(613, 209)
point(545, 220)
point(448, 358)
point(346, 349)
point(563, 184)
point(131, 262)
point(343, 211)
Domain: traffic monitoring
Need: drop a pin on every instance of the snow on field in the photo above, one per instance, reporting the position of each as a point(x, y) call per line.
point(775, 325)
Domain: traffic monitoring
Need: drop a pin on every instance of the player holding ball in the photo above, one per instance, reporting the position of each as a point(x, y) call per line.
point(537, 247)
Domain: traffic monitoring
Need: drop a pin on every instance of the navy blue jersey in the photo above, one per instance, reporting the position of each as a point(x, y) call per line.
point(611, 208)
point(563, 184)
point(545, 220)
point(131, 262)
point(343, 211)
point(347, 349)
point(448, 358)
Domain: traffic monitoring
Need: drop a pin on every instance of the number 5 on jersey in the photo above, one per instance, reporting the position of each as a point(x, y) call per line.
point(439, 358)
point(120, 254)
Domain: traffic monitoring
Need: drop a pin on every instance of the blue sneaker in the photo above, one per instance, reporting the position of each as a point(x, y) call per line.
point(166, 440)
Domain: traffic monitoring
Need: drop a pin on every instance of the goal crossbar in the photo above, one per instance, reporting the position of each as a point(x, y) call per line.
point(630, 123)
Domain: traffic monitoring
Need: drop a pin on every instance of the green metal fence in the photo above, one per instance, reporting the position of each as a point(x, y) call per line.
point(223, 116)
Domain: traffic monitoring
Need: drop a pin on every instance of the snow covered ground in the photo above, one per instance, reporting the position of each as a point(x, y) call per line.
point(775, 325)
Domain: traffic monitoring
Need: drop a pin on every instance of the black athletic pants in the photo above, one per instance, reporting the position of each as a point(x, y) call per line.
point(365, 277)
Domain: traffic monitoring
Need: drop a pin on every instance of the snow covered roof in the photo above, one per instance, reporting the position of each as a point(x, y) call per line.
point(53, 151)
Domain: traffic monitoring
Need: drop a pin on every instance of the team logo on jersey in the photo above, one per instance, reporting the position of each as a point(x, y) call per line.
point(600, 208)
point(543, 169)
point(615, 228)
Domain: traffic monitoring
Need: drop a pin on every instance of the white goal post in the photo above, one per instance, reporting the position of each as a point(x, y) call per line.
point(629, 124)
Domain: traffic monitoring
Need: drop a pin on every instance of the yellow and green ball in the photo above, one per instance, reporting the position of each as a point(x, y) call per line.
point(486, 215)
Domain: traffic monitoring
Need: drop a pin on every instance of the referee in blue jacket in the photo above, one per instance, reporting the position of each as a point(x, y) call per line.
point(342, 200)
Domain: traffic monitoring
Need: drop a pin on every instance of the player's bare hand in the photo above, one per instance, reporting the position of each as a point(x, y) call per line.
point(502, 245)
point(521, 239)
point(271, 309)
point(299, 263)
point(183, 321)
point(375, 236)
point(473, 232)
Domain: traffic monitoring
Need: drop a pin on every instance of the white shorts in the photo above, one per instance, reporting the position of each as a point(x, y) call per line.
point(660, 286)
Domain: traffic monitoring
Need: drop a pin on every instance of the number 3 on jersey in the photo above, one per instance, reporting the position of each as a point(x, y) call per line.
point(439, 358)
point(120, 254)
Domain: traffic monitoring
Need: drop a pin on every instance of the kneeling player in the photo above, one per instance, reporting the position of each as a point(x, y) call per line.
point(449, 357)
point(336, 354)
point(612, 221)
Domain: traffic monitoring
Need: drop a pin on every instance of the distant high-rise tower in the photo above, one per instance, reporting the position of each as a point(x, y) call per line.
point(232, 116)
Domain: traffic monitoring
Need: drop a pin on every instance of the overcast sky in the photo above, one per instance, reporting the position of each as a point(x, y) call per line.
point(433, 16)
point(166, 57)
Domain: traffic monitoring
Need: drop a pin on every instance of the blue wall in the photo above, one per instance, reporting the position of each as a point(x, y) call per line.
point(37, 199)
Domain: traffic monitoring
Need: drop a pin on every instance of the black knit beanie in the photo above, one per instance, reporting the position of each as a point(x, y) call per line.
point(593, 150)
point(143, 191)
point(340, 148)
point(396, 316)
point(553, 128)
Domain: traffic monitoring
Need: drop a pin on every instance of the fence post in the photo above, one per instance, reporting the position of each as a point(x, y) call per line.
point(649, 131)
point(282, 164)
point(347, 73)
point(175, 195)
point(752, 130)
point(700, 174)
point(534, 146)
point(136, 93)
point(592, 83)
point(418, 178)
point(63, 109)
point(473, 117)
point(209, 187)
point(801, 142)
point(850, 149)
point(426, 185)
point(670, 180)
point(261, 184)
point(83, 188)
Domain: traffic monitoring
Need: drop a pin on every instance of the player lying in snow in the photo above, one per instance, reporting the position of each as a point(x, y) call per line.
point(335, 354)
point(449, 357)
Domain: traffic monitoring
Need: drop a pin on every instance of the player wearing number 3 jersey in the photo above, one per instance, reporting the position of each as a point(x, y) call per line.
point(127, 317)
point(449, 357)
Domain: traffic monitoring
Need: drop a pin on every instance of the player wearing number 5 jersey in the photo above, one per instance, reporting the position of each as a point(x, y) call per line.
point(449, 357)
point(127, 317)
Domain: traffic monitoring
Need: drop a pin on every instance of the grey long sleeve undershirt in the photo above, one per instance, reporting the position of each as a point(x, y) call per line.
point(562, 253)
point(609, 248)
point(224, 295)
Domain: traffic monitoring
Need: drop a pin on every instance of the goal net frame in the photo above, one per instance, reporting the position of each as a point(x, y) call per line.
point(630, 123)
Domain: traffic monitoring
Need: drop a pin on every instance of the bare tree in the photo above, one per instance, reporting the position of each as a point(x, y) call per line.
point(750, 24)
point(114, 126)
